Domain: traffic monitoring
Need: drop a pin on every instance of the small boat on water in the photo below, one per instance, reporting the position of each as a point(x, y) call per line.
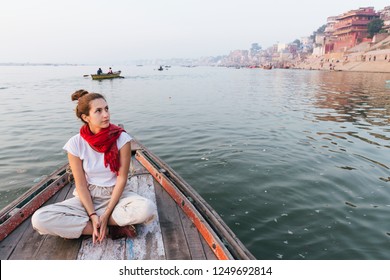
point(267, 67)
point(104, 76)
point(186, 227)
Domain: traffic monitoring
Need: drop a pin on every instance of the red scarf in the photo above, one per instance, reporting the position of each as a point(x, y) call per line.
point(105, 142)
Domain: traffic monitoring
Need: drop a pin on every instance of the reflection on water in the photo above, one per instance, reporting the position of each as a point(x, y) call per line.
point(360, 100)
point(296, 162)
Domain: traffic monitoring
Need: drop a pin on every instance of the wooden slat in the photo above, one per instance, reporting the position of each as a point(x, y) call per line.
point(208, 252)
point(68, 194)
point(149, 243)
point(7, 246)
point(175, 243)
point(197, 246)
point(193, 238)
point(107, 250)
point(56, 248)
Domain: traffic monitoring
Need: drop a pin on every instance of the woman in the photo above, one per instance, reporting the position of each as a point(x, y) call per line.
point(99, 157)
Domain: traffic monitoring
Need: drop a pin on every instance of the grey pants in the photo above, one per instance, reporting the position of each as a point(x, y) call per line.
point(69, 217)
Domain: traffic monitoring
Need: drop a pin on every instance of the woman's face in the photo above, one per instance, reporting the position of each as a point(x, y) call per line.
point(99, 115)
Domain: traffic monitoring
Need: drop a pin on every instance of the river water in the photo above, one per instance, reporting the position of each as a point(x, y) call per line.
point(296, 162)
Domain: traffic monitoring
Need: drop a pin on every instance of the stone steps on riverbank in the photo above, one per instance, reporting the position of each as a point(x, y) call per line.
point(373, 66)
point(380, 66)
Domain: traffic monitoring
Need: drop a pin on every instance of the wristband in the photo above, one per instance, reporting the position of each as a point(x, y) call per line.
point(90, 215)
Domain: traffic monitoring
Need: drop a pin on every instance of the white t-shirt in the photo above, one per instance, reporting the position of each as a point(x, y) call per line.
point(93, 162)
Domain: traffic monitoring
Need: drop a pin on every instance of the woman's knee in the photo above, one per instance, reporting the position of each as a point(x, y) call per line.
point(137, 211)
point(150, 211)
point(37, 221)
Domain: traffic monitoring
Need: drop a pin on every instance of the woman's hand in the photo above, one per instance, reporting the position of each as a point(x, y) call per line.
point(103, 226)
point(96, 228)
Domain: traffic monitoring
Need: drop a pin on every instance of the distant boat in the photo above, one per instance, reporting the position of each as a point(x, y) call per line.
point(160, 69)
point(267, 67)
point(106, 76)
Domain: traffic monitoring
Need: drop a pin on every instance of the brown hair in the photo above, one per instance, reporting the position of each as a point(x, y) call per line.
point(84, 98)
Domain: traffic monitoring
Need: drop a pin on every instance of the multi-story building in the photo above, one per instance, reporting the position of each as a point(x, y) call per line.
point(329, 38)
point(329, 29)
point(385, 16)
point(351, 28)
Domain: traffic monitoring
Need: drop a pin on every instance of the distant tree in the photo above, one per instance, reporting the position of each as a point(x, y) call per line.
point(255, 48)
point(320, 30)
point(297, 42)
point(374, 27)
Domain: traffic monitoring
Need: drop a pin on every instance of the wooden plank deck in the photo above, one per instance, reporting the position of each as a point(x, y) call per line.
point(170, 236)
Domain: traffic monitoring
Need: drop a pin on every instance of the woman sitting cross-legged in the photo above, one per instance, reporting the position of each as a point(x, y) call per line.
point(99, 157)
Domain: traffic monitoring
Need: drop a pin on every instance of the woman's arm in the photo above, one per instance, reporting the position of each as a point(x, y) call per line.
point(76, 166)
point(125, 157)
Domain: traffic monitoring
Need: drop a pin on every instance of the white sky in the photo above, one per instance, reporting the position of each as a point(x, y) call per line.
point(115, 31)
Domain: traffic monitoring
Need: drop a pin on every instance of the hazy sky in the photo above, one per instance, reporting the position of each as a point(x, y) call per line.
point(118, 31)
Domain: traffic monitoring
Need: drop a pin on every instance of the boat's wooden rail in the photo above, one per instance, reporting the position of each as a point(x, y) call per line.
point(16, 212)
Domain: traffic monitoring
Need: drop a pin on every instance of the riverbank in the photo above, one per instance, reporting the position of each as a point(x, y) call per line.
point(365, 57)
point(358, 62)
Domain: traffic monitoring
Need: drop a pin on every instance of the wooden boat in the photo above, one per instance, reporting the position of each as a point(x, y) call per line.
point(186, 227)
point(267, 67)
point(104, 76)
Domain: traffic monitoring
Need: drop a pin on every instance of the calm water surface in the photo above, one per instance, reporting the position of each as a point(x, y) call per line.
point(296, 162)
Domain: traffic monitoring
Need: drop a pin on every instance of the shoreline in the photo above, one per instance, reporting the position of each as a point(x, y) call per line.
point(357, 62)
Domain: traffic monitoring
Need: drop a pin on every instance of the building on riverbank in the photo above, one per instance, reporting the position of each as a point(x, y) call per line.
point(385, 16)
point(345, 45)
point(350, 28)
point(366, 57)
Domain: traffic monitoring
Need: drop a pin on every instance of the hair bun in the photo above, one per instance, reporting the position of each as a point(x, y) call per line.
point(78, 94)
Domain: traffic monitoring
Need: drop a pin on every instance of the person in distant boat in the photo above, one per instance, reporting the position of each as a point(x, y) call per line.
point(109, 71)
point(99, 71)
point(99, 158)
